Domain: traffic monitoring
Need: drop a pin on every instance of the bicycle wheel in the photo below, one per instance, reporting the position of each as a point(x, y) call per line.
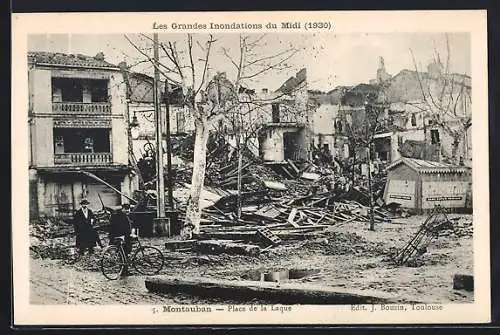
point(112, 262)
point(148, 260)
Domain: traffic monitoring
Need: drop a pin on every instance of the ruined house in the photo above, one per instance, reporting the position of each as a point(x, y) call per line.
point(77, 121)
point(432, 110)
point(287, 131)
point(427, 114)
point(362, 117)
point(327, 125)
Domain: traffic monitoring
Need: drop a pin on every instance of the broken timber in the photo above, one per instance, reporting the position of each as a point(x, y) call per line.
point(228, 247)
point(285, 293)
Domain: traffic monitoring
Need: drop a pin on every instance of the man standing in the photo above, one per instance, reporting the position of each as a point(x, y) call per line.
point(120, 225)
point(86, 236)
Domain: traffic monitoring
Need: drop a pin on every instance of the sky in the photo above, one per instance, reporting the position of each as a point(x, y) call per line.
point(331, 60)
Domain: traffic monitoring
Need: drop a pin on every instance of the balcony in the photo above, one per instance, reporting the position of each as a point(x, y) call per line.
point(84, 158)
point(81, 108)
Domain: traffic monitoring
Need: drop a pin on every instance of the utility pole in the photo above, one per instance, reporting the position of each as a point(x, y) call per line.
point(160, 223)
point(169, 148)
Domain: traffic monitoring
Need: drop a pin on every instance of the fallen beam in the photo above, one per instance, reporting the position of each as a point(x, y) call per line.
point(284, 293)
point(227, 247)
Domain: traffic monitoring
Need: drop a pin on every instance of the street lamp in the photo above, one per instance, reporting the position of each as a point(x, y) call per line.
point(134, 127)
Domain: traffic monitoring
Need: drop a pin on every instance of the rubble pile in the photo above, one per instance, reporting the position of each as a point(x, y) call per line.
point(44, 228)
point(460, 227)
point(291, 200)
point(53, 238)
point(340, 243)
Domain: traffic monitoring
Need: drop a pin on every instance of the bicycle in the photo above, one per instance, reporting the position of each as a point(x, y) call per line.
point(146, 260)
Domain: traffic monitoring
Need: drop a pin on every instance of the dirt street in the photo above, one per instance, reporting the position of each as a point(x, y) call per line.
point(345, 256)
point(53, 283)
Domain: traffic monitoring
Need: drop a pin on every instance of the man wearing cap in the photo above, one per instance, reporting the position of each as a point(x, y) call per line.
point(120, 225)
point(86, 236)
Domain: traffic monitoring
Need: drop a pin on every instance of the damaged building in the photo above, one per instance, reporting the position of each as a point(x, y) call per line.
point(288, 128)
point(412, 123)
point(77, 121)
point(141, 109)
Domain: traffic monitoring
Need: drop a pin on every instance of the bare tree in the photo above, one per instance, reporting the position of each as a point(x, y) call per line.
point(210, 100)
point(361, 134)
point(247, 119)
point(442, 96)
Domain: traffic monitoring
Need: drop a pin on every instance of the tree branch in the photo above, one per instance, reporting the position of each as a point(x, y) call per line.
point(152, 61)
point(190, 50)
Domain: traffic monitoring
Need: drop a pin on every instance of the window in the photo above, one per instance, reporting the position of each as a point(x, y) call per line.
point(58, 144)
point(99, 90)
point(76, 140)
point(70, 89)
point(339, 126)
point(181, 122)
point(275, 113)
point(326, 147)
point(435, 136)
point(79, 90)
point(413, 120)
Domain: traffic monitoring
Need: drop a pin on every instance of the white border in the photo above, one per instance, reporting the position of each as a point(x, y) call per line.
point(344, 22)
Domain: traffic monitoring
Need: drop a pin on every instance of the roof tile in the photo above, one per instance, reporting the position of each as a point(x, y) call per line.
point(61, 59)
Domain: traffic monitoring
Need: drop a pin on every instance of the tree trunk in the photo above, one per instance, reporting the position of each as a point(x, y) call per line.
point(193, 212)
point(353, 166)
point(372, 218)
point(455, 154)
point(240, 161)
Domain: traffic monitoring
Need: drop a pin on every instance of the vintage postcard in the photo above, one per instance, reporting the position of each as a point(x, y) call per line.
point(250, 168)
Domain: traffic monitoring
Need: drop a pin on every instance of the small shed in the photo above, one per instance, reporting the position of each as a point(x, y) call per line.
point(421, 185)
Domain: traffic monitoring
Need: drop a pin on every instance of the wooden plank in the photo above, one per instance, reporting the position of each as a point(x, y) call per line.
point(227, 247)
point(293, 166)
point(288, 173)
point(285, 293)
point(291, 217)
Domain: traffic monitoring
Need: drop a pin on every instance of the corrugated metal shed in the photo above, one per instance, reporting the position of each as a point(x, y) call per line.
point(422, 166)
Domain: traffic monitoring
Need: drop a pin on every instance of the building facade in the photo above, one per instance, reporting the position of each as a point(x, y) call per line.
point(77, 122)
point(287, 131)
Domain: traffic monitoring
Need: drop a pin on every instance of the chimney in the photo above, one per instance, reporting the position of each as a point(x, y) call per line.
point(99, 56)
point(122, 65)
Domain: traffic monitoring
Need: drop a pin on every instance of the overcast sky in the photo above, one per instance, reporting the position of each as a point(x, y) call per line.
point(331, 60)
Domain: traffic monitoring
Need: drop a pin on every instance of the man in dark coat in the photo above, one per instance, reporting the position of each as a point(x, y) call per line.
point(86, 236)
point(120, 225)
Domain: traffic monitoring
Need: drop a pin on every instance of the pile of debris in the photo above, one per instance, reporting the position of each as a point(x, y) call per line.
point(341, 243)
point(460, 227)
point(275, 202)
point(44, 227)
point(53, 237)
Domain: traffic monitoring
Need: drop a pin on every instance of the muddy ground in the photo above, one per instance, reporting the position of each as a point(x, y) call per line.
point(345, 256)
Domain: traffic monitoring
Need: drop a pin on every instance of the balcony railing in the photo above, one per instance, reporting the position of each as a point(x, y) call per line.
point(84, 158)
point(81, 107)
